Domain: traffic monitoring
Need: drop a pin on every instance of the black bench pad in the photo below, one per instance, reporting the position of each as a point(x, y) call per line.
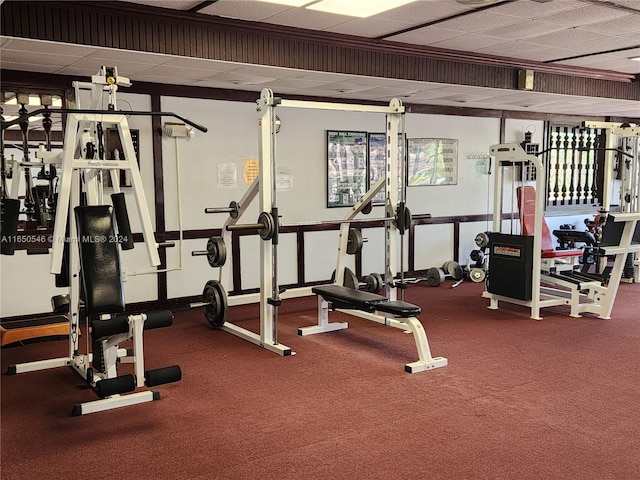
point(349, 298)
point(399, 309)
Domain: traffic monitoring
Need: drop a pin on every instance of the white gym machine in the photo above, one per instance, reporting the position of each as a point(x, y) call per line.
point(83, 174)
point(547, 283)
point(386, 310)
point(623, 141)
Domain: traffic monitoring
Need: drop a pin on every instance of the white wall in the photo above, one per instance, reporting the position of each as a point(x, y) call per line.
point(301, 148)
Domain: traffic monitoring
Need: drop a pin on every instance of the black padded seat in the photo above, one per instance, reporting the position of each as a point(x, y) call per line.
point(399, 309)
point(349, 298)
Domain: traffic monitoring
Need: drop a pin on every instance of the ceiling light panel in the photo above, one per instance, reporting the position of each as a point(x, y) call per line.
point(357, 8)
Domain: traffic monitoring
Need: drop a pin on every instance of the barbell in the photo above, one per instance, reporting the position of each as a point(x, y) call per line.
point(214, 301)
point(216, 252)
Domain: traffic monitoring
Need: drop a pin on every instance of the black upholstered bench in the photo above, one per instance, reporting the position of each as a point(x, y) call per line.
point(349, 298)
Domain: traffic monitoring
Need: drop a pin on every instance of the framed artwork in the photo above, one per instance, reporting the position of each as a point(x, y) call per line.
point(346, 167)
point(432, 161)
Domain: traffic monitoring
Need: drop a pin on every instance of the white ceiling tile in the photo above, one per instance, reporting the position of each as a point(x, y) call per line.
point(479, 21)
point(601, 45)
point(90, 65)
point(244, 9)
point(369, 27)
point(583, 15)
point(117, 55)
point(29, 67)
point(524, 29)
point(310, 19)
point(35, 58)
point(176, 72)
point(424, 11)
point(619, 26)
point(515, 49)
point(45, 47)
point(188, 62)
point(240, 79)
point(470, 43)
point(532, 9)
point(566, 37)
point(426, 36)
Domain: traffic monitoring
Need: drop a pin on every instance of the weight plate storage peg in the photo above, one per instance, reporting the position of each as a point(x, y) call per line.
point(215, 299)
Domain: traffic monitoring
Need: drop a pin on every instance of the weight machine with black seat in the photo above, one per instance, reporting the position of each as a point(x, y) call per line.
point(96, 261)
point(387, 309)
point(523, 270)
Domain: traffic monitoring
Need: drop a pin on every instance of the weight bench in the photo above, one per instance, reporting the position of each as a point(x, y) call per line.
point(377, 308)
point(104, 306)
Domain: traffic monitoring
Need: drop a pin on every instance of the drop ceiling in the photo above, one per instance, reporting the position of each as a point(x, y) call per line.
point(597, 34)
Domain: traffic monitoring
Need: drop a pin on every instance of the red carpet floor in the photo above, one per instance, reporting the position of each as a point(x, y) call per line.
point(521, 399)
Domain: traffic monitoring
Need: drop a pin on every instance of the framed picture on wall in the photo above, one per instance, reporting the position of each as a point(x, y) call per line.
point(432, 161)
point(378, 161)
point(346, 167)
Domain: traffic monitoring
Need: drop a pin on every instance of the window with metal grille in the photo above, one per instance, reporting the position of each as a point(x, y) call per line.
point(574, 161)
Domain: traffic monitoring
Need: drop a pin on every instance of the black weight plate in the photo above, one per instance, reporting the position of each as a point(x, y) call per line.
point(355, 242)
point(216, 298)
point(216, 252)
point(269, 229)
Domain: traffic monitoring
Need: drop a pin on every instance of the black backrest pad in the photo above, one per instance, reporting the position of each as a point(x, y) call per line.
point(99, 260)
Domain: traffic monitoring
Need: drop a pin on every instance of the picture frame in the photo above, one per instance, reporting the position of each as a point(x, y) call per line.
point(432, 161)
point(346, 167)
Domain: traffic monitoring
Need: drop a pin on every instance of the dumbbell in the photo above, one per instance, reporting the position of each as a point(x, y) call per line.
point(451, 269)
